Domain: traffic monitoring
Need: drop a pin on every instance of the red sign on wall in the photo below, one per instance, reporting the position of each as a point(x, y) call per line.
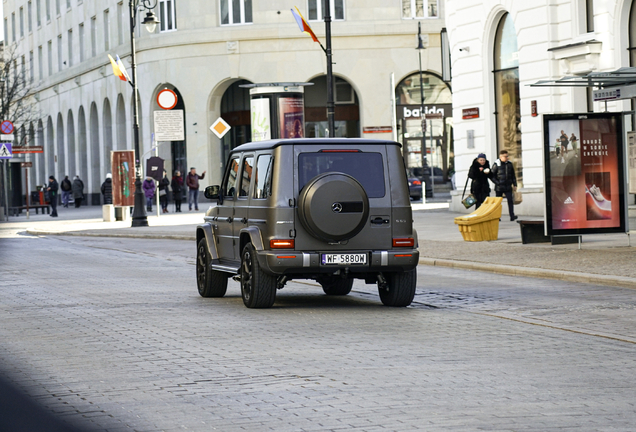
point(470, 113)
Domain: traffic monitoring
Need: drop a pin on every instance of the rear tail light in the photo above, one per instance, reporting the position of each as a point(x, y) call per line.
point(417, 182)
point(403, 242)
point(281, 244)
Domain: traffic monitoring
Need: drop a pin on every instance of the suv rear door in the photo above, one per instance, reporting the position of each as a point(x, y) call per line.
point(368, 164)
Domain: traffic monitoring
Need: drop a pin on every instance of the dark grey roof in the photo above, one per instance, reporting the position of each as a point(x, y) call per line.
point(619, 77)
point(261, 145)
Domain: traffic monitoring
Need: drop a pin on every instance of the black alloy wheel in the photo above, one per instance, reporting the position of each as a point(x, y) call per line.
point(210, 283)
point(258, 288)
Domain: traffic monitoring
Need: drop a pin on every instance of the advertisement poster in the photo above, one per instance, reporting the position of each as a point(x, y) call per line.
point(123, 171)
point(290, 114)
point(584, 178)
point(631, 161)
point(261, 120)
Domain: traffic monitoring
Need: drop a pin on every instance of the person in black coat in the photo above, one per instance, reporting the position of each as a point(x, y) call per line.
point(164, 189)
point(52, 190)
point(479, 173)
point(177, 190)
point(107, 189)
point(505, 179)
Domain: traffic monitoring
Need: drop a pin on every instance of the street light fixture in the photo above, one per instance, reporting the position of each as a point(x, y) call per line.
point(139, 217)
point(426, 177)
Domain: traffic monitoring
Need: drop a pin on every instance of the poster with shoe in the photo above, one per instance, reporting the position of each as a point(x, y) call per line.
point(584, 175)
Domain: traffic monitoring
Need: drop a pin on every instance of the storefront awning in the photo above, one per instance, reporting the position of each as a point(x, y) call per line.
point(622, 77)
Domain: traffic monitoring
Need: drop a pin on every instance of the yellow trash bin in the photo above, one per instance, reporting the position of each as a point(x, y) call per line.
point(483, 223)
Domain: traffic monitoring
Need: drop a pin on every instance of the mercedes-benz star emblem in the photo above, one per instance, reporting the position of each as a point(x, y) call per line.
point(336, 207)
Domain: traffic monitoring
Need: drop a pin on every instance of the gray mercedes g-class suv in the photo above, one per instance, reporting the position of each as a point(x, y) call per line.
point(331, 210)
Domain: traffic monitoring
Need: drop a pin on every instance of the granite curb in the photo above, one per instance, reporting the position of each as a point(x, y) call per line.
point(617, 281)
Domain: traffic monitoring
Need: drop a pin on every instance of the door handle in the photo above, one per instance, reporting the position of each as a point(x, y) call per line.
point(379, 221)
point(229, 219)
point(244, 220)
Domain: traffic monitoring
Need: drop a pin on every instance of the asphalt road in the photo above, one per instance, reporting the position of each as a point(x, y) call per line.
point(111, 334)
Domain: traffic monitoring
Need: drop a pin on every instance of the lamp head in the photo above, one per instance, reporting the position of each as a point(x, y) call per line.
point(151, 22)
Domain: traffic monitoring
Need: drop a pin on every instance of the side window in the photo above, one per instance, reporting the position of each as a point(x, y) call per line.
point(246, 176)
point(231, 178)
point(263, 176)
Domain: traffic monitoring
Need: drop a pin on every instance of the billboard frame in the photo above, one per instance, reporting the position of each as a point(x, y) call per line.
point(622, 227)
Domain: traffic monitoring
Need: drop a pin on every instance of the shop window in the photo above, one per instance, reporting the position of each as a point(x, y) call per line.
point(507, 100)
point(236, 12)
point(167, 15)
point(316, 10)
point(420, 9)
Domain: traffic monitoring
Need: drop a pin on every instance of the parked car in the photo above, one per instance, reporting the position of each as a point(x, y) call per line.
point(331, 210)
point(418, 172)
point(415, 187)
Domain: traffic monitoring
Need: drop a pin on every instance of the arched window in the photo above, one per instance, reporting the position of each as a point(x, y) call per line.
point(508, 108)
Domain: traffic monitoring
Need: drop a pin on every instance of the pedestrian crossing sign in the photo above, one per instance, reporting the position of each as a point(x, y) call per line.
point(5, 151)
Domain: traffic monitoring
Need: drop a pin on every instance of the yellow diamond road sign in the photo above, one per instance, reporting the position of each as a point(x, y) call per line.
point(220, 127)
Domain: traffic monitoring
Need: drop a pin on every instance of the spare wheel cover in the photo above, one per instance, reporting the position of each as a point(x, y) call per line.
point(333, 207)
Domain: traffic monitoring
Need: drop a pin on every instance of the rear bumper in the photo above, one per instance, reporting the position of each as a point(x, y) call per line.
point(294, 262)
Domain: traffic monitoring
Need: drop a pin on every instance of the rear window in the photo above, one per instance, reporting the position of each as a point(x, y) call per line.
point(366, 168)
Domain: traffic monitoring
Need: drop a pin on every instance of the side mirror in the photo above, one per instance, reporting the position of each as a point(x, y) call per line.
point(212, 192)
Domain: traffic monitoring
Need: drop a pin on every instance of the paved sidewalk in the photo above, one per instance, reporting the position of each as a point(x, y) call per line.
point(602, 259)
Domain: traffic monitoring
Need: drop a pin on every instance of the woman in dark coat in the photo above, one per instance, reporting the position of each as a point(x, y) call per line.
point(107, 189)
point(177, 190)
point(78, 191)
point(164, 189)
point(479, 172)
point(52, 189)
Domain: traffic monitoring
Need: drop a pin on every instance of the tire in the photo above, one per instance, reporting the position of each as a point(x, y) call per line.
point(337, 287)
point(211, 283)
point(401, 289)
point(258, 288)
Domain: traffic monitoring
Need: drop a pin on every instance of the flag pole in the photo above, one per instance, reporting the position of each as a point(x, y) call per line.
point(330, 103)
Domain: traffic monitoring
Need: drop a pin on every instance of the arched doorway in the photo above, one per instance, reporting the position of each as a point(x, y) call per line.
point(235, 110)
point(439, 124)
point(175, 154)
point(347, 109)
point(507, 101)
point(61, 153)
point(70, 133)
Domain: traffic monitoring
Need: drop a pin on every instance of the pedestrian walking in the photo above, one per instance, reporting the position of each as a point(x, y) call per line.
point(107, 189)
point(177, 190)
point(505, 179)
point(564, 145)
point(164, 190)
point(66, 187)
point(78, 191)
point(192, 181)
point(149, 192)
point(574, 141)
point(479, 173)
point(52, 190)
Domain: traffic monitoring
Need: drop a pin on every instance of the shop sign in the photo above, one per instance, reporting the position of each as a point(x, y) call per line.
point(408, 112)
point(377, 129)
point(533, 108)
point(26, 164)
point(470, 113)
point(584, 175)
point(28, 149)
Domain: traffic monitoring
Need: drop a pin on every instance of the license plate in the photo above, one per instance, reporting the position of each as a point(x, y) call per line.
point(344, 259)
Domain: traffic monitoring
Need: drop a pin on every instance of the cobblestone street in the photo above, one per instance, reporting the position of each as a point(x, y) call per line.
point(111, 334)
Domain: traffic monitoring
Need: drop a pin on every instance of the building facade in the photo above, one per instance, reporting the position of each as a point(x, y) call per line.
point(500, 47)
point(204, 51)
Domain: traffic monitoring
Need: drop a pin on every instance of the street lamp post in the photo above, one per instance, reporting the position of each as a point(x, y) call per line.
point(331, 124)
point(139, 217)
point(426, 177)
